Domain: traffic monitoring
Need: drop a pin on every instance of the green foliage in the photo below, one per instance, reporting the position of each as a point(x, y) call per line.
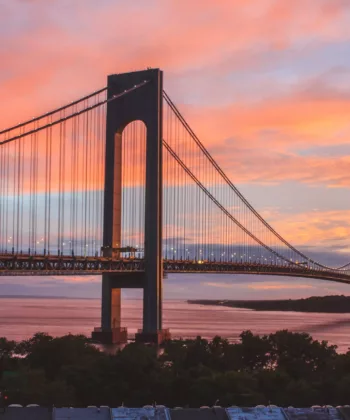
point(283, 368)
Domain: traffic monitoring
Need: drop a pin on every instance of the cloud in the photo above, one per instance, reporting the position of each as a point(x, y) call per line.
point(77, 279)
point(258, 81)
point(317, 228)
point(59, 46)
point(278, 286)
point(264, 142)
point(219, 285)
point(183, 286)
point(262, 285)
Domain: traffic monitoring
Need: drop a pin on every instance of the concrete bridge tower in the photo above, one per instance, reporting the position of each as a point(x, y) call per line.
point(145, 104)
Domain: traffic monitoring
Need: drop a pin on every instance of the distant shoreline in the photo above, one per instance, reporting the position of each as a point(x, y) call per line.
point(324, 304)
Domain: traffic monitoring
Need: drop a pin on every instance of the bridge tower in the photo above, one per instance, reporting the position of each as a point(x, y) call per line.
point(143, 104)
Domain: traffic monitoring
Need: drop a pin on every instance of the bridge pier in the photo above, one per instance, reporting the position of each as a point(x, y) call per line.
point(111, 330)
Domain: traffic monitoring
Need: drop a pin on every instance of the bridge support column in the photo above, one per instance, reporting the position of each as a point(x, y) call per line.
point(152, 331)
point(111, 330)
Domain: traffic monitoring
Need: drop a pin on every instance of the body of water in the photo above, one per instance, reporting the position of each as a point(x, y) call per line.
point(20, 318)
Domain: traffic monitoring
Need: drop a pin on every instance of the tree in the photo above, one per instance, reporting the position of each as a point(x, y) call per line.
point(255, 351)
point(298, 354)
point(7, 349)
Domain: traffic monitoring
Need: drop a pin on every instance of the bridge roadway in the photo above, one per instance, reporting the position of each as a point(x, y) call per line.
point(41, 265)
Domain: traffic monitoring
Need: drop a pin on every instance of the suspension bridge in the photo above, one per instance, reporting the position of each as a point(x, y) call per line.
point(117, 183)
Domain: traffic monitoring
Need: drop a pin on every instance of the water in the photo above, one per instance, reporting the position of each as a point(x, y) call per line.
point(20, 318)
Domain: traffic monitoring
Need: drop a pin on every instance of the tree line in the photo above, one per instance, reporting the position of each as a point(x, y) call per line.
point(283, 368)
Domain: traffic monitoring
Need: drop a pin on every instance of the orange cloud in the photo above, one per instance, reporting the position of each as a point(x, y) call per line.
point(261, 142)
point(316, 228)
point(282, 123)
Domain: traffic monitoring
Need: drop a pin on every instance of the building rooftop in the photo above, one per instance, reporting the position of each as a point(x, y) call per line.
point(177, 413)
point(26, 413)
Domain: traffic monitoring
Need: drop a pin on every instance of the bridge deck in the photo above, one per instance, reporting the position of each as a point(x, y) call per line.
point(40, 265)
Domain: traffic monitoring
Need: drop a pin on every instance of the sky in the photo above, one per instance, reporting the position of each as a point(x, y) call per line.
point(264, 84)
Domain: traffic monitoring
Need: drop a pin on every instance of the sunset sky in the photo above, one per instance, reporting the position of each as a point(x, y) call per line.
point(265, 84)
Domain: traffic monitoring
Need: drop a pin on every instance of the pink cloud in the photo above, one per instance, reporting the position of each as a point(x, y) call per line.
point(259, 286)
point(261, 142)
point(177, 35)
point(54, 58)
point(270, 167)
point(278, 286)
point(314, 228)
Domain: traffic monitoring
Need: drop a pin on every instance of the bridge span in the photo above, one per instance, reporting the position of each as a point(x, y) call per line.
point(41, 265)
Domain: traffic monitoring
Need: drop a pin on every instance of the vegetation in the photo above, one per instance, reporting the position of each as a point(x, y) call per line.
point(328, 304)
point(283, 368)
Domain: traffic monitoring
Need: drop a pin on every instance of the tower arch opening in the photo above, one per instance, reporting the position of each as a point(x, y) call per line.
point(133, 189)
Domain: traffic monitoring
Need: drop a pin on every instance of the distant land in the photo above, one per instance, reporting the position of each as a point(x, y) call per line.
point(327, 304)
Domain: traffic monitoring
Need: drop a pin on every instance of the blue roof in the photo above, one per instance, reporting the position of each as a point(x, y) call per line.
point(162, 413)
point(81, 414)
point(26, 413)
point(150, 413)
